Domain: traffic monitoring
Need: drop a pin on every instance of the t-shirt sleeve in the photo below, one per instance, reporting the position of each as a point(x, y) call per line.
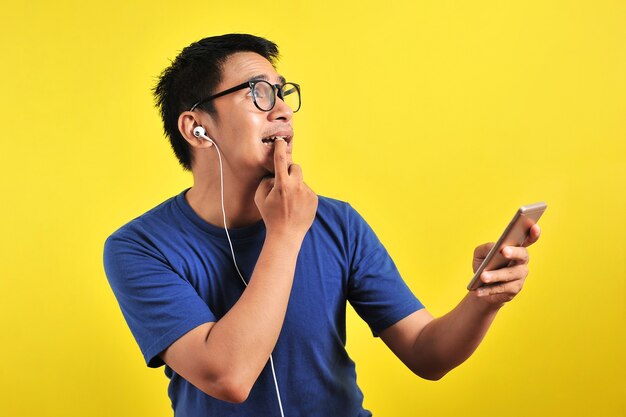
point(158, 304)
point(376, 290)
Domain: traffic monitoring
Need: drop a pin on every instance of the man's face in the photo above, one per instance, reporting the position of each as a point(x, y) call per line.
point(239, 126)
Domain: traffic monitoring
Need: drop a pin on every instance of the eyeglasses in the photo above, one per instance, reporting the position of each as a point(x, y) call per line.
point(264, 94)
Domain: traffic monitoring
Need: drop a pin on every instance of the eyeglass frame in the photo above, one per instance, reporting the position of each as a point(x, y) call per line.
point(276, 88)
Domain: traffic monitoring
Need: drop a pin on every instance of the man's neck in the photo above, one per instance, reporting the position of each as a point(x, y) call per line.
point(205, 199)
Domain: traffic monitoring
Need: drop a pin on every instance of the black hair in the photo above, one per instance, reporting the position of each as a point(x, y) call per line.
point(194, 75)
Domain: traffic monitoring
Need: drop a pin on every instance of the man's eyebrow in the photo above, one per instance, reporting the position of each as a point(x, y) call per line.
point(259, 77)
point(264, 77)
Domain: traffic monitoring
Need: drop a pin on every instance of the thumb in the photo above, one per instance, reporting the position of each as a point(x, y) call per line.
point(263, 189)
point(481, 251)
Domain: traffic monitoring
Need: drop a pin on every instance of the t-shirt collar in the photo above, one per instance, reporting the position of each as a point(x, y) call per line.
point(253, 231)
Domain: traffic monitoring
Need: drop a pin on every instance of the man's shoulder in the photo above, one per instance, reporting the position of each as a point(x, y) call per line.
point(329, 203)
point(160, 217)
point(334, 213)
point(333, 207)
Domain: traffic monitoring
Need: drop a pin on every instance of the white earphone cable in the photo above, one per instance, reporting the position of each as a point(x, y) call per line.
point(232, 251)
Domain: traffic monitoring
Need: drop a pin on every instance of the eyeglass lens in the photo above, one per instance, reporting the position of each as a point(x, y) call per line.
point(265, 96)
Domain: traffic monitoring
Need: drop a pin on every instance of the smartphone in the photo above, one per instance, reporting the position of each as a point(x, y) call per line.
point(514, 235)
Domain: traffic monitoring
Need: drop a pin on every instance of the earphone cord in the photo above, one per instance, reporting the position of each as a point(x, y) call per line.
point(232, 251)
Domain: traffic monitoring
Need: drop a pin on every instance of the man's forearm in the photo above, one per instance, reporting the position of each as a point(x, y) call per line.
point(448, 341)
point(243, 339)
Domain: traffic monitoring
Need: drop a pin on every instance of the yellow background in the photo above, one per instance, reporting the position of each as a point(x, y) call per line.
point(435, 119)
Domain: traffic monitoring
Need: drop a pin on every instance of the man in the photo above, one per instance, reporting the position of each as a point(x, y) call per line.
point(177, 273)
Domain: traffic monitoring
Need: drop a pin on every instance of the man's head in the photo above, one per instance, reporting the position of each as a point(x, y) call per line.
point(196, 74)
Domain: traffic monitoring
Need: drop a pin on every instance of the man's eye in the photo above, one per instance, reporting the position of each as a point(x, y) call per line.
point(259, 93)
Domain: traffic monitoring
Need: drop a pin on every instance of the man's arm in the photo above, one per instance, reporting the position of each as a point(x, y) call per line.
point(432, 347)
point(224, 359)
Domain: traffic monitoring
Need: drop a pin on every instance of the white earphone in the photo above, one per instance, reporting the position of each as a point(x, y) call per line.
point(200, 132)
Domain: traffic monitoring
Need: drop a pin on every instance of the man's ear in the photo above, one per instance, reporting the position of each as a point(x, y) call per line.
point(187, 122)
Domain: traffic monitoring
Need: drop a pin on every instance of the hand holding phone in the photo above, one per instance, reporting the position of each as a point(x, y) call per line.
point(514, 235)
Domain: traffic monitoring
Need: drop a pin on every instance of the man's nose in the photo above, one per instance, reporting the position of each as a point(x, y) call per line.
point(281, 110)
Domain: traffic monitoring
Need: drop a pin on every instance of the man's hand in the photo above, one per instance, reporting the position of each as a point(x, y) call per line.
point(502, 285)
point(225, 358)
point(286, 203)
point(432, 347)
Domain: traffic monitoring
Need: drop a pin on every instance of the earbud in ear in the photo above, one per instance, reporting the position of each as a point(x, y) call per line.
point(199, 132)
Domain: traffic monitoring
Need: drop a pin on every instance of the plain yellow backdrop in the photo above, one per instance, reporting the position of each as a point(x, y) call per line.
point(435, 119)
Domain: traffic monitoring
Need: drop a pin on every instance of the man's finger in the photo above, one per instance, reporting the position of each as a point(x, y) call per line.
point(512, 273)
point(281, 172)
point(533, 236)
point(481, 251)
point(515, 253)
point(264, 188)
point(507, 290)
point(295, 172)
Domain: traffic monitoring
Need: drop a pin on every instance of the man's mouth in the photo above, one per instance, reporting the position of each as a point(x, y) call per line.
point(269, 140)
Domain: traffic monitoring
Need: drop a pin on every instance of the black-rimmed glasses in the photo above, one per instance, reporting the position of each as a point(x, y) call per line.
point(263, 94)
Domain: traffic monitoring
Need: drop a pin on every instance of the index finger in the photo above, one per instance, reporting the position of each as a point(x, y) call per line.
point(280, 160)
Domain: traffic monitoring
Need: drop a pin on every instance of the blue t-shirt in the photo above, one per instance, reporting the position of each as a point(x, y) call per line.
point(172, 271)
